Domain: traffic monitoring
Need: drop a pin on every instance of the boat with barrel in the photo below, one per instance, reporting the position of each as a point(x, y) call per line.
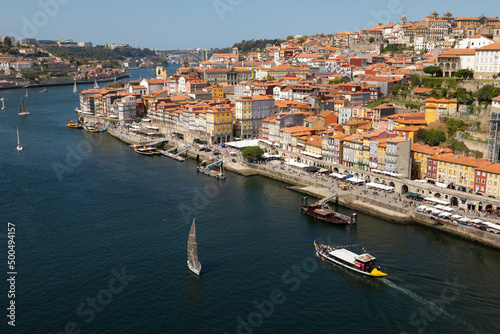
point(361, 263)
point(146, 150)
point(321, 211)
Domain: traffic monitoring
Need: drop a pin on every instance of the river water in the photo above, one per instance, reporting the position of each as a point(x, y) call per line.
point(101, 236)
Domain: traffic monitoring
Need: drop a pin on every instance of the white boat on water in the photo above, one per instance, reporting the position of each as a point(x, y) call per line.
point(3, 103)
point(22, 109)
point(192, 249)
point(361, 263)
point(75, 90)
point(19, 147)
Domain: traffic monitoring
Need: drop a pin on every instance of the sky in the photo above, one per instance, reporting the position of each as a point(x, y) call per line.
point(164, 24)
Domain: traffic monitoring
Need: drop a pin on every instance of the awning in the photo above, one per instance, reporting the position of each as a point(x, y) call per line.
point(347, 176)
point(355, 180)
point(415, 195)
point(319, 156)
point(337, 175)
point(296, 164)
point(379, 186)
point(445, 214)
point(456, 216)
point(435, 200)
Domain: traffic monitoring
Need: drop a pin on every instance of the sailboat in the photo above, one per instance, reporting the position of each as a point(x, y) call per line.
point(96, 86)
point(22, 109)
point(193, 264)
point(26, 95)
point(19, 147)
point(74, 88)
point(3, 103)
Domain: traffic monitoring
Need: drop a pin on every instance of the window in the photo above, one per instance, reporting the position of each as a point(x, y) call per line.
point(489, 183)
point(482, 181)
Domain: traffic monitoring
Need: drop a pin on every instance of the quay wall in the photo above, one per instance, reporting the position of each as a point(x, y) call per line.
point(386, 211)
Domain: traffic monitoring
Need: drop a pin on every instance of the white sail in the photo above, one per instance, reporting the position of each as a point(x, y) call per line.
point(192, 262)
point(22, 109)
point(19, 147)
point(96, 86)
point(74, 88)
point(26, 95)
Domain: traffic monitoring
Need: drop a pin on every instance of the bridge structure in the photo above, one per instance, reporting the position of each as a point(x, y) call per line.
point(197, 54)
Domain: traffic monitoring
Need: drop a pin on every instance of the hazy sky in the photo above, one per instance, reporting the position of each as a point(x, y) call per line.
point(167, 24)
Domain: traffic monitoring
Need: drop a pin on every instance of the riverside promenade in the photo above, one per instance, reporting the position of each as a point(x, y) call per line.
point(392, 207)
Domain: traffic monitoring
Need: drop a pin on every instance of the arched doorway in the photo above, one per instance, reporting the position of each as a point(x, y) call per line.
point(335, 170)
point(480, 206)
point(437, 195)
point(454, 201)
point(404, 189)
point(391, 184)
point(489, 206)
point(377, 180)
point(367, 179)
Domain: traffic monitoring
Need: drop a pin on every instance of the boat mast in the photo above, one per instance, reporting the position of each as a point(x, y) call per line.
point(18, 144)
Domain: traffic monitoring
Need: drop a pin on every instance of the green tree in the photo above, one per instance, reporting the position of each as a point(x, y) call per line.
point(465, 74)
point(487, 93)
point(433, 70)
point(396, 90)
point(252, 152)
point(371, 40)
point(431, 137)
point(453, 125)
point(338, 81)
point(415, 81)
point(463, 96)
point(269, 77)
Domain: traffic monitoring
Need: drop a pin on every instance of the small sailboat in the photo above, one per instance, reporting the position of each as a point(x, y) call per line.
point(193, 264)
point(3, 103)
point(22, 109)
point(96, 86)
point(74, 87)
point(19, 147)
point(26, 95)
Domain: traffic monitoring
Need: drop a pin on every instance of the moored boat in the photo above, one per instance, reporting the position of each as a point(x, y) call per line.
point(321, 211)
point(93, 128)
point(147, 150)
point(74, 125)
point(361, 263)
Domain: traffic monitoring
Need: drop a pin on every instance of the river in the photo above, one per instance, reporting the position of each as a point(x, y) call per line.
point(101, 236)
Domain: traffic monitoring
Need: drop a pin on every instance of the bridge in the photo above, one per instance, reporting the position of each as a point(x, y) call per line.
point(198, 54)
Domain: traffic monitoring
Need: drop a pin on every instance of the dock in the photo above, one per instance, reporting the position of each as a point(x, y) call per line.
point(214, 173)
point(176, 156)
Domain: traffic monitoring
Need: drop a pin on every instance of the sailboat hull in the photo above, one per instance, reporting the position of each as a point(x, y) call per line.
point(19, 148)
point(197, 271)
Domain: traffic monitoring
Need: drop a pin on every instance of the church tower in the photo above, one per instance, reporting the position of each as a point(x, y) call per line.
point(403, 21)
point(236, 54)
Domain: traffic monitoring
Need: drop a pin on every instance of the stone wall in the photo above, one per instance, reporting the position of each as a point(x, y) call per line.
point(473, 85)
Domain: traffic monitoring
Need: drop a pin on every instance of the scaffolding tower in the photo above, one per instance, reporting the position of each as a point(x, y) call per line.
point(494, 138)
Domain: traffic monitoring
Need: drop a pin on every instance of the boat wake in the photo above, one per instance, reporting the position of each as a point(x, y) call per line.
point(433, 307)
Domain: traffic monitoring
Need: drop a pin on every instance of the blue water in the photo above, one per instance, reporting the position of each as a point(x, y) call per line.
point(87, 209)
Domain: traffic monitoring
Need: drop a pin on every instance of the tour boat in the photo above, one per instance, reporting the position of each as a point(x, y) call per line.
point(22, 109)
point(72, 124)
point(192, 250)
point(19, 147)
point(361, 263)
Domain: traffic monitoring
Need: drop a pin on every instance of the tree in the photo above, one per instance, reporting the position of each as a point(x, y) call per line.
point(434, 137)
point(252, 152)
point(371, 40)
point(415, 81)
point(453, 125)
point(487, 93)
point(465, 74)
point(269, 77)
point(396, 89)
point(338, 81)
point(7, 42)
point(463, 96)
point(433, 70)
